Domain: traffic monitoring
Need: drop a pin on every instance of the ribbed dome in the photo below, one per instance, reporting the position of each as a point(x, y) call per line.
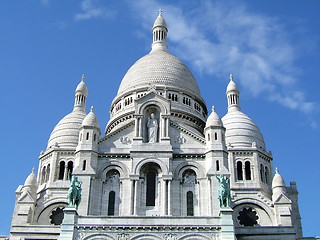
point(214, 119)
point(162, 69)
point(277, 180)
point(232, 86)
point(241, 131)
point(66, 132)
point(91, 120)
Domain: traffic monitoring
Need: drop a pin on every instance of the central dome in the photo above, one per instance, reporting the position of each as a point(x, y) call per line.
point(162, 69)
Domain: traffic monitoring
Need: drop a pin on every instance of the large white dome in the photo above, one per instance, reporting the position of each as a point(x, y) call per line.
point(162, 69)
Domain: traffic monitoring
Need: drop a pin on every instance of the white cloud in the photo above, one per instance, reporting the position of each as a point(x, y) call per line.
point(90, 10)
point(219, 38)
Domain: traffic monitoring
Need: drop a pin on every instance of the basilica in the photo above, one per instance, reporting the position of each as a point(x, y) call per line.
point(163, 168)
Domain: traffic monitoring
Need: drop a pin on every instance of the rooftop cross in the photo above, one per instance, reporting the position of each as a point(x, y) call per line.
point(83, 77)
point(160, 12)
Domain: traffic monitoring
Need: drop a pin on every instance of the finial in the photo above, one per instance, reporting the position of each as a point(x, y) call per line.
point(83, 77)
point(160, 12)
point(213, 109)
point(91, 109)
point(32, 170)
point(277, 171)
point(231, 77)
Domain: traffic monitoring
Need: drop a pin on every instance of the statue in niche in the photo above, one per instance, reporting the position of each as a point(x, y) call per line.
point(152, 126)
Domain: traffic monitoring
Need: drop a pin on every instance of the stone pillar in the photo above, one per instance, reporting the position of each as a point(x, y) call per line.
point(227, 227)
point(169, 197)
point(135, 209)
point(67, 226)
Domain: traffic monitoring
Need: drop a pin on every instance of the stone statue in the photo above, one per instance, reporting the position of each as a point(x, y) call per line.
point(223, 191)
point(74, 192)
point(152, 129)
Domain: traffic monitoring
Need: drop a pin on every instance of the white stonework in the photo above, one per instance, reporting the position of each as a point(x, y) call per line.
point(134, 188)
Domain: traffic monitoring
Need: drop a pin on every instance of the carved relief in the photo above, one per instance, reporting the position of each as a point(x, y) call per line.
point(123, 236)
point(170, 236)
point(180, 140)
point(189, 178)
point(125, 140)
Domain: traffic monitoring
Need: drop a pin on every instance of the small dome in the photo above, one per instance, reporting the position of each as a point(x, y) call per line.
point(66, 132)
point(214, 119)
point(277, 180)
point(232, 86)
point(241, 131)
point(159, 22)
point(31, 180)
point(82, 87)
point(91, 120)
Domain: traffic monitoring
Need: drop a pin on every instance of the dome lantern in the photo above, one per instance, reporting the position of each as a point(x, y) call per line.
point(81, 95)
point(159, 33)
point(233, 95)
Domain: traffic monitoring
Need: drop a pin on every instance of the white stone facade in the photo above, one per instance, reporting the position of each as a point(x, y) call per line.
point(135, 188)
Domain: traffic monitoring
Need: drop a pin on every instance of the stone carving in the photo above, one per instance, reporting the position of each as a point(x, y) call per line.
point(125, 140)
point(152, 129)
point(189, 178)
point(170, 236)
point(123, 236)
point(74, 192)
point(223, 191)
point(113, 178)
point(180, 140)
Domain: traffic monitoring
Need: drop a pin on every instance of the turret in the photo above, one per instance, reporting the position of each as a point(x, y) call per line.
point(278, 186)
point(81, 95)
point(233, 96)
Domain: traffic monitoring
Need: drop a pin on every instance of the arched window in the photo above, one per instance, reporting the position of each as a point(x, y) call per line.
point(48, 173)
point(190, 203)
point(215, 136)
point(61, 170)
point(70, 168)
point(112, 198)
point(261, 173)
point(84, 165)
point(43, 174)
point(151, 189)
point(87, 138)
point(239, 171)
point(208, 136)
point(217, 165)
point(266, 174)
point(248, 170)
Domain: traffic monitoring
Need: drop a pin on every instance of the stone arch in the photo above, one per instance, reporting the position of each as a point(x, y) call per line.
point(180, 169)
point(146, 237)
point(99, 236)
point(264, 211)
point(194, 236)
point(119, 166)
point(154, 102)
point(163, 167)
point(42, 216)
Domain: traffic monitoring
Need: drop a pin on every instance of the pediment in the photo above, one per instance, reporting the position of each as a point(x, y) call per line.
point(26, 197)
point(152, 98)
point(282, 199)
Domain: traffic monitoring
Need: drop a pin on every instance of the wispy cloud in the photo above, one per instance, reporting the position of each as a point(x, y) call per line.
point(90, 9)
point(219, 38)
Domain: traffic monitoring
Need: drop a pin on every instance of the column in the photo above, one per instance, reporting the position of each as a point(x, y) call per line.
point(135, 210)
point(169, 198)
point(164, 197)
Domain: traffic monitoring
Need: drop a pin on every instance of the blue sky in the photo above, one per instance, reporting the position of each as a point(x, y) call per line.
point(271, 47)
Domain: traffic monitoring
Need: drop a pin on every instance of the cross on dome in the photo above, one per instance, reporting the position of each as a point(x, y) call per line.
point(83, 77)
point(160, 12)
point(231, 77)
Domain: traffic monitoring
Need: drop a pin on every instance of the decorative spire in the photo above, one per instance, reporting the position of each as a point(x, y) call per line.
point(213, 109)
point(277, 171)
point(233, 95)
point(159, 33)
point(91, 109)
point(81, 94)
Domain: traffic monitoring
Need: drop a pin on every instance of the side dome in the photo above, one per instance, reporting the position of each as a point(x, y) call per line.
point(162, 69)
point(66, 132)
point(31, 180)
point(241, 131)
point(277, 180)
